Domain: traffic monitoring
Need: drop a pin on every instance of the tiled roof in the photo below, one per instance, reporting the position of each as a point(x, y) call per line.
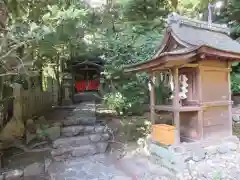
point(198, 33)
point(192, 37)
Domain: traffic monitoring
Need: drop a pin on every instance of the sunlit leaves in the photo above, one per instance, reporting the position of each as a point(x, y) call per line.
point(235, 64)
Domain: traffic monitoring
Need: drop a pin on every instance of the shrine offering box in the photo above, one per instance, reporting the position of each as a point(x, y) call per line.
point(163, 133)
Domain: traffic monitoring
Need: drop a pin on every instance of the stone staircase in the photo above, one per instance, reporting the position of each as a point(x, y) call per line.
point(87, 96)
point(81, 134)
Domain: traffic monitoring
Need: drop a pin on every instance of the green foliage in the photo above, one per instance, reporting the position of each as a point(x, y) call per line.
point(235, 80)
point(235, 77)
point(116, 101)
point(136, 36)
point(134, 128)
point(121, 32)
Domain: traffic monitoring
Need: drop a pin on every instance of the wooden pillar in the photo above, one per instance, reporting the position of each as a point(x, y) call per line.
point(200, 101)
point(230, 99)
point(176, 105)
point(152, 96)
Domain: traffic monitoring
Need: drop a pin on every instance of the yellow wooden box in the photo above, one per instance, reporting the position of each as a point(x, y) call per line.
point(163, 133)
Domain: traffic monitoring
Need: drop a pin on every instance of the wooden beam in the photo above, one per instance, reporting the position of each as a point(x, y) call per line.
point(179, 109)
point(208, 68)
point(189, 65)
point(176, 105)
point(159, 69)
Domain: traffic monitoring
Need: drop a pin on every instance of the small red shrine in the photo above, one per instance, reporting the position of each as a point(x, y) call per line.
point(85, 78)
point(198, 56)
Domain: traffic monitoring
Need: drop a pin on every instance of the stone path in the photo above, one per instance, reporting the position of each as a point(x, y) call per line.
point(104, 167)
point(140, 167)
point(219, 167)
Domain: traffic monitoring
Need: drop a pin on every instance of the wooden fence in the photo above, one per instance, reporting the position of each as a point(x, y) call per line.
point(31, 102)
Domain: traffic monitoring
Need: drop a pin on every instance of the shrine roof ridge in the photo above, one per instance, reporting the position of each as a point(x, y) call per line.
point(181, 20)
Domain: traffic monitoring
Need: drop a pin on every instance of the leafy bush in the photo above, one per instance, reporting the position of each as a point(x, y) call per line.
point(235, 78)
point(128, 94)
point(115, 101)
point(135, 128)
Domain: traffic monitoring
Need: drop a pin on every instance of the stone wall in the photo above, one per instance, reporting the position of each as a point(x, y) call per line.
point(176, 157)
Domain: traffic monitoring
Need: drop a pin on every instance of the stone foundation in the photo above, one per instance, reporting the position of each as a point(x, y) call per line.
point(177, 157)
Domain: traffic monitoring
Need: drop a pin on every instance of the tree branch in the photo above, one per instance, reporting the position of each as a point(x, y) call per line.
point(10, 51)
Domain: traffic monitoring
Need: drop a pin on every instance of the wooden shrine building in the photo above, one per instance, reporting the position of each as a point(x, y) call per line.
point(198, 56)
point(85, 76)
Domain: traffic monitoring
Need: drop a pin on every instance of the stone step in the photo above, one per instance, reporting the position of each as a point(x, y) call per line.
point(80, 140)
point(91, 149)
point(70, 131)
point(86, 96)
point(81, 121)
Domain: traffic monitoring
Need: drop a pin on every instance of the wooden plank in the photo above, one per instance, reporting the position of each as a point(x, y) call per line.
point(216, 116)
point(179, 109)
point(200, 124)
point(152, 97)
point(164, 107)
point(199, 84)
point(216, 104)
point(230, 99)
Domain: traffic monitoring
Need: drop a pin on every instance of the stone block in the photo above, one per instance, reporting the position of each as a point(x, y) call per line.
point(175, 167)
point(57, 124)
point(53, 132)
point(211, 150)
point(99, 129)
point(162, 152)
point(71, 121)
point(1, 177)
point(34, 171)
point(185, 157)
point(178, 149)
point(72, 131)
point(89, 129)
point(232, 146)
point(71, 141)
point(30, 137)
point(102, 147)
point(84, 150)
point(198, 154)
point(223, 149)
point(95, 137)
point(14, 175)
point(60, 151)
point(236, 118)
point(105, 137)
point(13, 129)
